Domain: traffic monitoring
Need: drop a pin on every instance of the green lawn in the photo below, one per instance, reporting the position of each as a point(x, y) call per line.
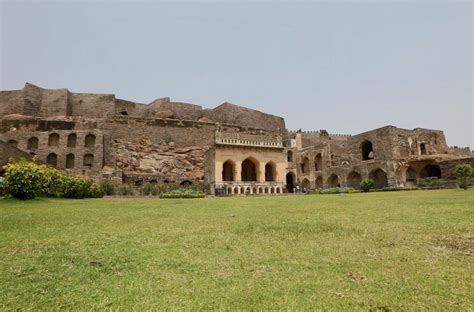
point(377, 251)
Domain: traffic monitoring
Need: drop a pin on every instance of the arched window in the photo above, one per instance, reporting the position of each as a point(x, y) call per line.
point(305, 166)
point(270, 172)
point(89, 141)
point(71, 140)
point(13, 143)
point(249, 170)
point(289, 156)
point(380, 178)
point(353, 179)
point(367, 150)
point(88, 160)
point(53, 139)
point(228, 169)
point(318, 162)
point(52, 159)
point(32, 143)
point(70, 158)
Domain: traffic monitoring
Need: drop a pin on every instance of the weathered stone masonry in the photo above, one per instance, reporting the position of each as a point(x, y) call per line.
point(236, 150)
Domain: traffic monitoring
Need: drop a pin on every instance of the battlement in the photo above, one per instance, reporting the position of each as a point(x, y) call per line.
point(244, 139)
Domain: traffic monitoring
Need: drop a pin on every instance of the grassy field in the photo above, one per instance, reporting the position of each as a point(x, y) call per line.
point(377, 251)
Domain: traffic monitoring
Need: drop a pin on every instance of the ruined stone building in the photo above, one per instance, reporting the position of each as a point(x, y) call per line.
point(235, 150)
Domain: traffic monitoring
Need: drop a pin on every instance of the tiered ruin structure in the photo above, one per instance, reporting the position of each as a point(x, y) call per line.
point(235, 150)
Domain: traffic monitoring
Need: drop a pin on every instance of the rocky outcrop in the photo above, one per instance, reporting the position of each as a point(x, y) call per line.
point(162, 160)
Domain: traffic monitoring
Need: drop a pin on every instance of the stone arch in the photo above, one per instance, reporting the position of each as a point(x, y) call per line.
point(270, 172)
point(89, 141)
point(319, 182)
point(186, 183)
point(278, 190)
point(380, 178)
point(249, 170)
point(70, 159)
point(236, 190)
point(88, 160)
point(53, 139)
point(229, 191)
point(254, 190)
point(305, 166)
point(242, 190)
point(32, 143)
point(71, 140)
point(272, 190)
point(367, 150)
point(353, 179)
point(290, 182)
point(266, 190)
point(318, 162)
point(13, 143)
point(228, 169)
point(333, 180)
point(260, 190)
point(430, 171)
point(305, 185)
point(289, 156)
point(52, 159)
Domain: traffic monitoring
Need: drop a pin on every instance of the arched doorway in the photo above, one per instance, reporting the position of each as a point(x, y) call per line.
point(270, 172)
point(290, 182)
point(380, 178)
point(289, 156)
point(353, 179)
point(249, 171)
point(367, 150)
point(319, 182)
point(333, 181)
point(305, 186)
point(228, 171)
point(430, 171)
point(411, 175)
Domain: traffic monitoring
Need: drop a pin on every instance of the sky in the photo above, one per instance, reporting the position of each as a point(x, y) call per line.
point(343, 66)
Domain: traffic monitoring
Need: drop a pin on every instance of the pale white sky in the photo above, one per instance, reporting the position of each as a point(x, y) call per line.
point(345, 66)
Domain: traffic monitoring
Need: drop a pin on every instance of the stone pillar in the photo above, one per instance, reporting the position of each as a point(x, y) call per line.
point(238, 171)
point(261, 172)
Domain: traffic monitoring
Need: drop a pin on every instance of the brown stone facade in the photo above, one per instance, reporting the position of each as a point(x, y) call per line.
point(235, 150)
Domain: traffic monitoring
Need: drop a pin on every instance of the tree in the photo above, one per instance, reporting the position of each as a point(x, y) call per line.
point(463, 174)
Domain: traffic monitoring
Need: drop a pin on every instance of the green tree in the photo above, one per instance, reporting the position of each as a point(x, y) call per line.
point(463, 174)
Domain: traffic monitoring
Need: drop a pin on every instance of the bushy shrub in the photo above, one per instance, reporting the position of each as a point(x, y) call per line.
point(26, 180)
point(366, 184)
point(52, 181)
point(22, 179)
point(183, 194)
point(126, 189)
point(151, 189)
point(463, 173)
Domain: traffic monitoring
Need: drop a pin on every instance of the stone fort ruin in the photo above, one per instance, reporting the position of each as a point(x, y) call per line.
point(235, 150)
